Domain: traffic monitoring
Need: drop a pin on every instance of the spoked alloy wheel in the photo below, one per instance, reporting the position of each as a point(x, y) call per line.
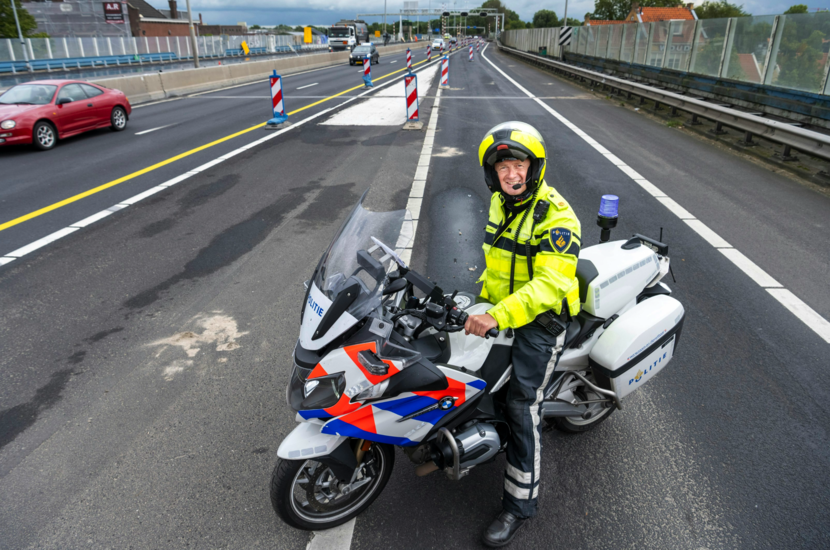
point(118, 119)
point(44, 136)
point(307, 495)
point(596, 413)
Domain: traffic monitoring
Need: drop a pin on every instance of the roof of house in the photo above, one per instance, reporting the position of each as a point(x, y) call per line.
point(146, 10)
point(749, 66)
point(650, 15)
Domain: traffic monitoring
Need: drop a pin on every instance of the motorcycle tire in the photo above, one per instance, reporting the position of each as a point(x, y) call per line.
point(577, 425)
point(312, 515)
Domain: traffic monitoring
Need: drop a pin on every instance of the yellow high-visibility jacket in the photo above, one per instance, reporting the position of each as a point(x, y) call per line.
point(554, 248)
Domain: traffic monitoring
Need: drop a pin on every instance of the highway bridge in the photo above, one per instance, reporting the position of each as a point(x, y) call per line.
point(153, 278)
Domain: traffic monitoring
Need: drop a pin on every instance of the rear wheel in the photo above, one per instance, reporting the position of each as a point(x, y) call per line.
point(118, 118)
point(595, 415)
point(44, 136)
point(307, 495)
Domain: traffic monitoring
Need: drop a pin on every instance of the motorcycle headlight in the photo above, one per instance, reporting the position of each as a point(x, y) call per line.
point(8, 124)
point(309, 386)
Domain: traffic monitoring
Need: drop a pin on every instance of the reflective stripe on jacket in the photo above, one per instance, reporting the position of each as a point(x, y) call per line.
point(554, 248)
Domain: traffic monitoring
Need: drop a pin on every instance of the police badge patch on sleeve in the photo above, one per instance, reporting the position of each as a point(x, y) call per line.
point(560, 238)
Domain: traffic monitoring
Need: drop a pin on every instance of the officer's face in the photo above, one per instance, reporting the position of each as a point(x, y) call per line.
point(512, 173)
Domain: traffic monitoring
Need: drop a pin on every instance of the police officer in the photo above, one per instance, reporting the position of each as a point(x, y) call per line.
point(531, 246)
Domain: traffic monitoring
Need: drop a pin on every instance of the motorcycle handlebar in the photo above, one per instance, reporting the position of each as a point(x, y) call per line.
point(494, 332)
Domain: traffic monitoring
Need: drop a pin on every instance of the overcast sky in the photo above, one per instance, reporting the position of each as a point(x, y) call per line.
point(326, 12)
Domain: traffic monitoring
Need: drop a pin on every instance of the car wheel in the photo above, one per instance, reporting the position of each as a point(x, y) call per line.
point(44, 136)
point(118, 118)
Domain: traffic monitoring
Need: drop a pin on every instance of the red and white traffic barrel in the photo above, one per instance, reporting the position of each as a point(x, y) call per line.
point(409, 59)
point(277, 104)
point(411, 93)
point(471, 52)
point(429, 52)
point(367, 72)
point(445, 72)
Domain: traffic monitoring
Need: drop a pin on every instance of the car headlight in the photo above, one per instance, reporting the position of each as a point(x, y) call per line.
point(8, 124)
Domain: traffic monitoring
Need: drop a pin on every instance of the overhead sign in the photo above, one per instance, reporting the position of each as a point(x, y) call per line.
point(565, 35)
point(113, 12)
point(307, 35)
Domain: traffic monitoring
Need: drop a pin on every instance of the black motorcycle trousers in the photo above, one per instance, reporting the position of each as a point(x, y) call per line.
point(535, 354)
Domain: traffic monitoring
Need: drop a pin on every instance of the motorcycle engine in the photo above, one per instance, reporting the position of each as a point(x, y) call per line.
point(478, 443)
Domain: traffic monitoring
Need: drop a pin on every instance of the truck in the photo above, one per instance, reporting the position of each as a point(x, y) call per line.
point(347, 33)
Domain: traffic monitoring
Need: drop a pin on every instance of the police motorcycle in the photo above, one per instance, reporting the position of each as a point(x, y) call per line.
point(382, 362)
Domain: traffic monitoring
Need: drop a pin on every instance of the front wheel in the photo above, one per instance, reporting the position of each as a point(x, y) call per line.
point(44, 136)
point(307, 495)
point(118, 119)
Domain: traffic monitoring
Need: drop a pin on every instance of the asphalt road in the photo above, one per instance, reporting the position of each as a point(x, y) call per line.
point(145, 357)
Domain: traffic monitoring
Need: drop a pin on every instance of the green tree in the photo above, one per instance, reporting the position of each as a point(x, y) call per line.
point(574, 22)
point(545, 19)
point(798, 8)
point(7, 27)
point(716, 9)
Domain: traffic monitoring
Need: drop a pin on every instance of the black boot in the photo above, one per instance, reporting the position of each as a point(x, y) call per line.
point(502, 530)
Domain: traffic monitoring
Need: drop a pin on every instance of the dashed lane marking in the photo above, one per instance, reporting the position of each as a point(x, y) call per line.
point(795, 305)
point(307, 86)
point(152, 130)
point(31, 247)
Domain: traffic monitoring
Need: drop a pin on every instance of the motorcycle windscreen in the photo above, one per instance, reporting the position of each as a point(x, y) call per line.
point(349, 282)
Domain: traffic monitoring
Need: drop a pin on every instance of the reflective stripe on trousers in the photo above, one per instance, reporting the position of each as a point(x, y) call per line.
point(535, 354)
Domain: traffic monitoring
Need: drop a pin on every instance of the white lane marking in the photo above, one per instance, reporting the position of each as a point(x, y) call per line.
point(155, 102)
point(393, 61)
point(11, 256)
point(152, 130)
point(416, 194)
point(710, 236)
point(749, 267)
point(796, 306)
point(339, 538)
point(675, 208)
point(801, 310)
point(308, 86)
point(31, 247)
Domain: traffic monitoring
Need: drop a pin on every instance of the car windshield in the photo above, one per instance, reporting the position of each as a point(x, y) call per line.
point(29, 94)
point(366, 247)
point(362, 49)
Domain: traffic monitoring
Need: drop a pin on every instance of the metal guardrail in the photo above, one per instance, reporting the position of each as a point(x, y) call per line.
point(787, 134)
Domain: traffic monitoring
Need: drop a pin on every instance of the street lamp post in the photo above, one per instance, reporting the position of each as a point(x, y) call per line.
point(22, 42)
point(384, 18)
point(192, 36)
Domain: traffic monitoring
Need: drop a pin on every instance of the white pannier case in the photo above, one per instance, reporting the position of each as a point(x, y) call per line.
point(637, 345)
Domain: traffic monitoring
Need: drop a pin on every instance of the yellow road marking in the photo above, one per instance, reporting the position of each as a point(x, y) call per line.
point(113, 183)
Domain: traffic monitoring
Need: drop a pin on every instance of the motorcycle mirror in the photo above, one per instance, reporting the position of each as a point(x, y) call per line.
point(395, 286)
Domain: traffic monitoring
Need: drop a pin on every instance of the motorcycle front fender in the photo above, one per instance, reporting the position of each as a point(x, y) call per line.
point(306, 441)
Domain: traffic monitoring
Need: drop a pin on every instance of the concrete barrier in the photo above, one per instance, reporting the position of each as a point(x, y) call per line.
point(155, 86)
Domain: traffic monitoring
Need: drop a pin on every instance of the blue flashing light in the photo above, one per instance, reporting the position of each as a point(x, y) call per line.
point(609, 206)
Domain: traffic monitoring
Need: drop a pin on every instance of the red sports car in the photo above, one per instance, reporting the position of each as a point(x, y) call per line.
point(43, 111)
